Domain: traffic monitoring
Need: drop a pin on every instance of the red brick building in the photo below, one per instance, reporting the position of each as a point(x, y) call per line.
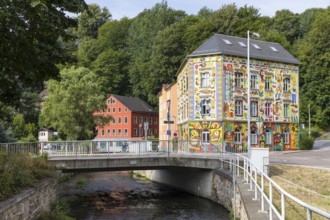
point(129, 115)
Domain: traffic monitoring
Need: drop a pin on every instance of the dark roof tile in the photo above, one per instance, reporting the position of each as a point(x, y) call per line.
point(217, 45)
point(135, 104)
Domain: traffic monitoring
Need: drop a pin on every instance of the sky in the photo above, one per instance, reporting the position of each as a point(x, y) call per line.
point(131, 8)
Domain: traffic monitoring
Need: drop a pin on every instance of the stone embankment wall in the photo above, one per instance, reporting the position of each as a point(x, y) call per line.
point(216, 185)
point(29, 203)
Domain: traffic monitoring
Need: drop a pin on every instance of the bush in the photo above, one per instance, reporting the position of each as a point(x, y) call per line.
point(19, 171)
point(306, 143)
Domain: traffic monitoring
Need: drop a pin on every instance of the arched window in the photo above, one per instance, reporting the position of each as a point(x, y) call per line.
point(253, 137)
point(268, 136)
point(238, 135)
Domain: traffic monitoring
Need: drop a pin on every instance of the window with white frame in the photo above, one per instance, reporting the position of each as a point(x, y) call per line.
point(205, 136)
point(254, 82)
point(126, 109)
point(119, 109)
point(238, 107)
point(109, 101)
point(113, 132)
point(102, 132)
point(187, 83)
point(108, 109)
point(113, 120)
point(286, 138)
point(267, 83)
point(238, 80)
point(119, 120)
point(125, 120)
point(268, 109)
point(126, 132)
point(135, 120)
point(286, 110)
point(205, 79)
point(108, 132)
point(119, 132)
point(141, 120)
point(253, 137)
point(238, 136)
point(113, 109)
point(205, 107)
point(286, 85)
point(268, 137)
point(254, 108)
point(150, 121)
point(135, 132)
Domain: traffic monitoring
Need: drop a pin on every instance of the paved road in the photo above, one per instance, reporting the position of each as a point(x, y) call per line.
point(318, 157)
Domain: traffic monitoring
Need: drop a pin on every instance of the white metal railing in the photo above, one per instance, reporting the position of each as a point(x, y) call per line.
point(257, 180)
point(238, 163)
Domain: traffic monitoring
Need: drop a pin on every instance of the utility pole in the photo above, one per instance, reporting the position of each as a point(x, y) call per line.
point(309, 120)
point(169, 125)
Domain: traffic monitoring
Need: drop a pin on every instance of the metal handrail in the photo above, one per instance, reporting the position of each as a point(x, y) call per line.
point(252, 177)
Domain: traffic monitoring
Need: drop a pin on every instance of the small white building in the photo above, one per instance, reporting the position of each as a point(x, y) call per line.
point(45, 134)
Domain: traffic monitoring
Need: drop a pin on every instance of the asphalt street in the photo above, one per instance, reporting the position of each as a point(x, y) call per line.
point(318, 157)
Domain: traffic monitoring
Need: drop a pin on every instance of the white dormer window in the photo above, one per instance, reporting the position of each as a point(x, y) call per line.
point(227, 41)
point(256, 46)
point(242, 44)
point(273, 49)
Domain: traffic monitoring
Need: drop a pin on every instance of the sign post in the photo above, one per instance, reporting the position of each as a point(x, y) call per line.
point(146, 126)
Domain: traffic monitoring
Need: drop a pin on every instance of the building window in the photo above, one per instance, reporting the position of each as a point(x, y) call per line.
point(205, 79)
point(187, 83)
point(119, 120)
point(125, 120)
point(125, 132)
point(113, 109)
point(239, 107)
point(109, 101)
point(108, 132)
point(286, 138)
point(268, 108)
point(126, 109)
point(238, 136)
point(108, 109)
point(286, 85)
point(267, 83)
point(150, 121)
point(253, 137)
point(268, 135)
point(205, 107)
point(155, 131)
point(141, 120)
point(286, 110)
point(254, 108)
point(205, 136)
point(135, 132)
point(113, 132)
point(238, 80)
point(135, 120)
point(254, 82)
point(113, 101)
point(102, 132)
point(119, 132)
point(155, 121)
point(113, 120)
point(119, 109)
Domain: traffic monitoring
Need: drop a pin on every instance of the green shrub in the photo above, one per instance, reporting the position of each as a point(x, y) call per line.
point(306, 143)
point(59, 211)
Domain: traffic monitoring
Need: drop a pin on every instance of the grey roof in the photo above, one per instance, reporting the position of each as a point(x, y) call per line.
point(135, 104)
point(217, 45)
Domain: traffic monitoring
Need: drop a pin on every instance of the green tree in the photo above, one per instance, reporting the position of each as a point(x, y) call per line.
point(142, 33)
point(18, 126)
point(71, 103)
point(314, 53)
point(90, 20)
point(29, 43)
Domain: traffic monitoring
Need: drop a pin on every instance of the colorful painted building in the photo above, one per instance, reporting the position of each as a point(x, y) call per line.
point(212, 95)
point(129, 115)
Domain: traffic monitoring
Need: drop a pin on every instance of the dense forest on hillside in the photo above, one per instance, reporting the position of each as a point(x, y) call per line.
point(134, 57)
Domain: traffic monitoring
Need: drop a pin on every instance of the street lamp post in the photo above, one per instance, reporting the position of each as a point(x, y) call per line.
point(248, 91)
point(169, 125)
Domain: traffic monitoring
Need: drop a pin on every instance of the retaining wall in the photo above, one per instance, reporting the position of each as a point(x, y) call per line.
point(28, 204)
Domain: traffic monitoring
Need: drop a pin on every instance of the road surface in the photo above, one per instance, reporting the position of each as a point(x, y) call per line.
point(318, 157)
